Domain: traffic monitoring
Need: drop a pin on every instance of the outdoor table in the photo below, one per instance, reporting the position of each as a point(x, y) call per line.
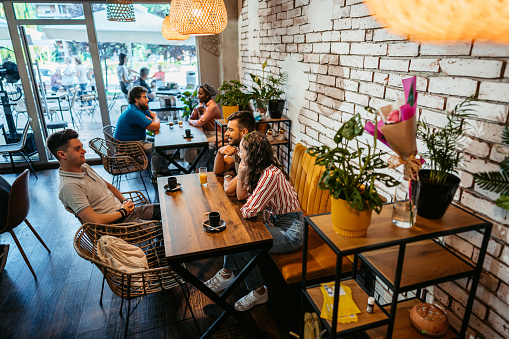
point(172, 92)
point(172, 139)
point(183, 214)
point(57, 96)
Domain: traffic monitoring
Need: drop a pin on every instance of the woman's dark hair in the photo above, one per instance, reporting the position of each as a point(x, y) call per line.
point(135, 93)
point(57, 141)
point(121, 58)
point(259, 156)
point(209, 90)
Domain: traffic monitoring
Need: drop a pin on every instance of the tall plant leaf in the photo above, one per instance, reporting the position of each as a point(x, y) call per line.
point(503, 202)
point(505, 136)
point(493, 181)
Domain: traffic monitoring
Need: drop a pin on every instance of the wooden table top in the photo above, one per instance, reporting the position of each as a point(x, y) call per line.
point(57, 95)
point(183, 214)
point(224, 122)
point(382, 232)
point(172, 138)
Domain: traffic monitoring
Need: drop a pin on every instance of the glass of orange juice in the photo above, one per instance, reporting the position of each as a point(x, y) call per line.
point(203, 176)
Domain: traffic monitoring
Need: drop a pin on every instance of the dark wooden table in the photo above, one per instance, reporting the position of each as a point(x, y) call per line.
point(172, 139)
point(183, 214)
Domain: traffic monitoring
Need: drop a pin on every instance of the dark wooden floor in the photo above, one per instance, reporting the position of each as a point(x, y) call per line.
point(64, 302)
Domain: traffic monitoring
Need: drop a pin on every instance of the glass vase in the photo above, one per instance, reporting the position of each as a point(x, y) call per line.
point(406, 196)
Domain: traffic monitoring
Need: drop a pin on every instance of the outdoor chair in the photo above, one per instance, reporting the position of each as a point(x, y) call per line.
point(128, 286)
point(120, 158)
point(67, 107)
point(18, 147)
point(88, 103)
point(17, 211)
point(136, 197)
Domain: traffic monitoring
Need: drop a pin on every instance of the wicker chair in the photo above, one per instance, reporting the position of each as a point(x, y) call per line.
point(136, 197)
point(158, 277)
point(121, 158)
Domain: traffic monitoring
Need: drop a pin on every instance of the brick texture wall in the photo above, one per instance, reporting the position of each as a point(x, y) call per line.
point(338, 59)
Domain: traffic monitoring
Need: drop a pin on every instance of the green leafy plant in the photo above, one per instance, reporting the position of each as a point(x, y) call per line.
point(190, 101)
point(445, 151)
point(352, 170)
point(265, 89)
point(497, 182)
point(233, 94)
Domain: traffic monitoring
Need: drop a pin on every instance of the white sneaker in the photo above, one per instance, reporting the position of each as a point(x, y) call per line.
point(218, 283)
point(252, 299)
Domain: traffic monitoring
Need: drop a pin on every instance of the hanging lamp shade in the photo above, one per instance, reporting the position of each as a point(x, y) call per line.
point(169, 33)
point(198, 17)
point(444, 20)
point(120, 10)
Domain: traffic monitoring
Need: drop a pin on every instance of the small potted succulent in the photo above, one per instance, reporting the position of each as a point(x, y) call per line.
point(351, 170)
point(445, 153)
point(233, 98)
point(497, 182)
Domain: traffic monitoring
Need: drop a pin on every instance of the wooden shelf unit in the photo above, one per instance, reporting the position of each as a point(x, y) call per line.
point(405, 259)
point(223, 123)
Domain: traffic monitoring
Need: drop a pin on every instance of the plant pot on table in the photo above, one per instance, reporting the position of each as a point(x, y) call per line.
point(276, 108)
point(435, 198)
point(347, 221)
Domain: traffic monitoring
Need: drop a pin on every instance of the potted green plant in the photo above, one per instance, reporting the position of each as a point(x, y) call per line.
point(266, 89)
point(190, 101)
point(445, 153)
point(232, 98)
point(276, 102)
point(497, 182)
point(351, 170)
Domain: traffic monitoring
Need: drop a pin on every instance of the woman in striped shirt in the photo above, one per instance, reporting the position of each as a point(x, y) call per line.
point(261, 176)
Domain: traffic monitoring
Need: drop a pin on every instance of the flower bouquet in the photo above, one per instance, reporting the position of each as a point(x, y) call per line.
point(398, 130)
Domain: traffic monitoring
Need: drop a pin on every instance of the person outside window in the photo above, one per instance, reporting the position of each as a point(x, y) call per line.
point(227, 158)
point(159, 75)
point(123, 73)
point(133, 124)
point(142, 81)
point(262, 177)
point(88, 195)
point(81, 74)
point(56, 80)
point(69, 76)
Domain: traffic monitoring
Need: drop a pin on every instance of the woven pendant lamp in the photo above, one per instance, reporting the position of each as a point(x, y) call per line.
point(169, 33)
point(120, 10)
point(198, 17)
point(444, 20)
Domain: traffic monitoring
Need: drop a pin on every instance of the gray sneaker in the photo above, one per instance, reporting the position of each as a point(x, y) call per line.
point(252, 299)
point(218, 283)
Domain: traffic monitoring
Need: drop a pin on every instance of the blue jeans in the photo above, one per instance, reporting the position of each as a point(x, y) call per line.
point(287, 233)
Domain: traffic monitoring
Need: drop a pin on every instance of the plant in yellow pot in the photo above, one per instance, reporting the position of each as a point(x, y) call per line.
point(233, 98)
point(351, 170)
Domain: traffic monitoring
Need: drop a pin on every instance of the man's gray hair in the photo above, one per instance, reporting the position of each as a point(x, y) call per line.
point(144, 71)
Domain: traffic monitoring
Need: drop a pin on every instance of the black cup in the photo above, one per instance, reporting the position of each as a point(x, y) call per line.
point(172, 182)
point(188, 133)
point(214, 219)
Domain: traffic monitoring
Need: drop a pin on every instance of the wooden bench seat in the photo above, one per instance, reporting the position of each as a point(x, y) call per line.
point(304, 175)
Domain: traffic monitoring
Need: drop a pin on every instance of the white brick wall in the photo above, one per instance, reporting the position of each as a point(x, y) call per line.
point(351, 62)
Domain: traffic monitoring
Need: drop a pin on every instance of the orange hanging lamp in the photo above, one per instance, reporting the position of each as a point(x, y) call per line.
point(169, 33)
point(444, 20)
point(198, 17)
point(120, 10)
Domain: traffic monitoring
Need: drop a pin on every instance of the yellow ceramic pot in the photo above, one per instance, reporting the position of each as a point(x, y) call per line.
point(349, 222)
point(229, 110)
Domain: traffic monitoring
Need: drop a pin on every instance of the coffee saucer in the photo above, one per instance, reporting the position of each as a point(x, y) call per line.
point(177, 188)
point(211, 229)
point(189, 137)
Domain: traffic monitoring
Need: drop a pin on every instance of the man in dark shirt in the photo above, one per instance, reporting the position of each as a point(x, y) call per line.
point(141, 81)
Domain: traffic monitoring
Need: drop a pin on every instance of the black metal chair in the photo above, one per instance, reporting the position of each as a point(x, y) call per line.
point(19, 147)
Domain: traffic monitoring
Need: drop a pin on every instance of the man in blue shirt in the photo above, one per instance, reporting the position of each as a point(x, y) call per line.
point(135, 120)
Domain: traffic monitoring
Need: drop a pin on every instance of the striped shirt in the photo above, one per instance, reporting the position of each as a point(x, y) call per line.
point(273, 191)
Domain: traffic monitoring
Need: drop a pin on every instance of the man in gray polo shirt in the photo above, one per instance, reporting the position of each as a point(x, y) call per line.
point(88, 195)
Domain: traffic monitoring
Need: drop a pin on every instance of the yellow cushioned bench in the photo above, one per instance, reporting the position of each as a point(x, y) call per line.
point(304, 175)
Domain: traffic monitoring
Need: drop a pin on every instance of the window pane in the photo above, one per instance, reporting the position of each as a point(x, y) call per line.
point(48, 11)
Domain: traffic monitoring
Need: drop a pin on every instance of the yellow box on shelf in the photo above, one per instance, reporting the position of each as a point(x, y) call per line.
point(347, 311)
